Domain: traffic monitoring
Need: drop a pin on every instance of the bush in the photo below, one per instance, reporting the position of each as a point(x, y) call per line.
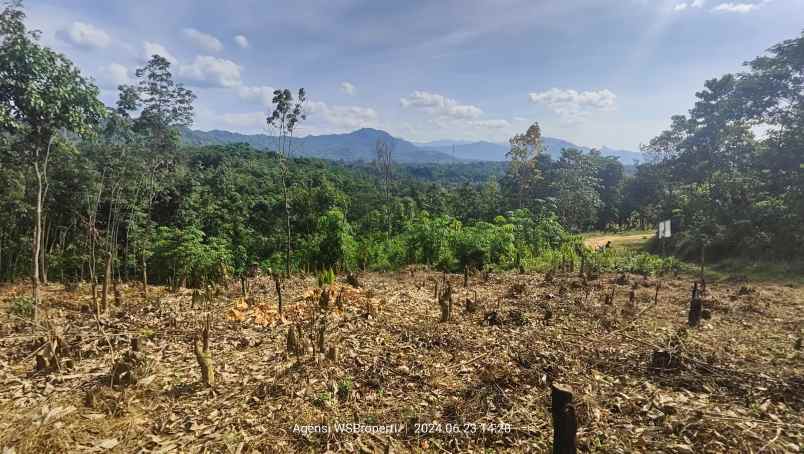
point(21, 306)
point(326, 278)
point(612, 260)
point(186, 256)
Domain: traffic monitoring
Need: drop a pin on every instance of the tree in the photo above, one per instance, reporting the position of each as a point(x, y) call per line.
point(522, 171)
point(384, 163)
point(336, 246)
point(286, 115)
point(577, 189)
point(42, 95)
point(164, 106)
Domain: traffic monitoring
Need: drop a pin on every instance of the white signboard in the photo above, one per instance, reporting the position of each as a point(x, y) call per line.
point(664, 229)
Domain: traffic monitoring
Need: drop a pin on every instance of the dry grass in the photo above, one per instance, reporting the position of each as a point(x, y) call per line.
point(737, 386)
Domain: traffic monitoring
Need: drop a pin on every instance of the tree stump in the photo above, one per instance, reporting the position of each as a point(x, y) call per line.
point(322, 333)
point(565, 425)
point(445, 301)
point(204, 357)
point(471, 304)
point(278, 285)
point(351, 279)
point(332, 353)
point(664, 361)
point(696, 307)
point(292, 342)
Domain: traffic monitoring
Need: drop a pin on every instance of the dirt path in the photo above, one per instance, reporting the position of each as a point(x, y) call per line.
point(616, 240)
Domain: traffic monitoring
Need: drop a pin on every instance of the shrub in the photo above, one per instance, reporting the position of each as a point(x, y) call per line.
point(326, 278)
point(21, 306)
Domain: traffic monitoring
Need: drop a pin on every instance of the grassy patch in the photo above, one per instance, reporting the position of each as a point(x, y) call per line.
point(758, 271)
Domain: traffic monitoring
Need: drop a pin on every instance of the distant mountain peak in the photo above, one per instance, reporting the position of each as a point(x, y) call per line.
point(359, 145)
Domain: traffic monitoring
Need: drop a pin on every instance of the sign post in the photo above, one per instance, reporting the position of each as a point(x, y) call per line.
point(664, 232)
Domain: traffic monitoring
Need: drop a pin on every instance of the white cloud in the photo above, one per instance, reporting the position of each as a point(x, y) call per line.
point(342, 117)
point(262, 94)
point(149, 49)
point(440, 105)
point(203, 40)
point(737, 7)
point(244, 121)
point(572, 105)
point(114, 74)
point(684, 5)
point(520, 119)
point(490, 124)
point(241, 41)
point(85, 35)
point(211, 71)
point(347, 88)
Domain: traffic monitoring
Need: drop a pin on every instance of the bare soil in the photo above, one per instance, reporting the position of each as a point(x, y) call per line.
point(617, 240)
point(477, 382)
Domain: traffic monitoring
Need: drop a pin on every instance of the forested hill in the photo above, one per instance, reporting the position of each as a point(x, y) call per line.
point(360, 145)
point(489, 151)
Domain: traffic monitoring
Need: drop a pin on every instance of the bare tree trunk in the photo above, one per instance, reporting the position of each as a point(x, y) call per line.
point(36, 240)
point(144, 276)
point(43, 245)
point(287, 218)
point(107, 283)
point(278, 284)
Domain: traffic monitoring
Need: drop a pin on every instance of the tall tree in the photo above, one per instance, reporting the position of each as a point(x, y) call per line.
point(577, 189)
point(42, 95)
point(384, 163)
point(286, 115)
point(523, 171)
point(164, 107)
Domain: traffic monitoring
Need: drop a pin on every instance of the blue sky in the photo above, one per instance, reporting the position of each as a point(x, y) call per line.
point(593, 72)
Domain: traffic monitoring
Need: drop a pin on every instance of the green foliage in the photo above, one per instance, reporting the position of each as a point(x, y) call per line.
point(187, 256)
point(622, 261)
point(335, 246)
point(734, 192)
point(163, 105)
point(41, 91)
point(21, 306)
point(196, 214)
point(326, 278)
point(344, 387)
point(322, 399)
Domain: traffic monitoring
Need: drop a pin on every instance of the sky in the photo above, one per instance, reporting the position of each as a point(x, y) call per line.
point(594, 72)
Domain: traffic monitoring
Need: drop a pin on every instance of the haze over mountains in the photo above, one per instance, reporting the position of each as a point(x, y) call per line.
point(360, 145)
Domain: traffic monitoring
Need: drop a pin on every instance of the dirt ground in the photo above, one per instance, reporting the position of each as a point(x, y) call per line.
point(478, 382)
point(617, 240)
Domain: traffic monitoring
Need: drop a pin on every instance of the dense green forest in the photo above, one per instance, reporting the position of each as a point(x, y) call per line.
point(94, 192)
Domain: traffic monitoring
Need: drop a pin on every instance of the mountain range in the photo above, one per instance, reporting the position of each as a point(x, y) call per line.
point(360, 145)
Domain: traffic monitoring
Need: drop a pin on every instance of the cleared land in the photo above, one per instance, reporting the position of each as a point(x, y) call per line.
point(625, 241)
point(734, 383)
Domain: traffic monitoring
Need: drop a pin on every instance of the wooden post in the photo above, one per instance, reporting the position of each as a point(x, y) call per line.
point(565, 425)
point(278, 285)
point(445, 301)
point(656, 296)
point(696, 307)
